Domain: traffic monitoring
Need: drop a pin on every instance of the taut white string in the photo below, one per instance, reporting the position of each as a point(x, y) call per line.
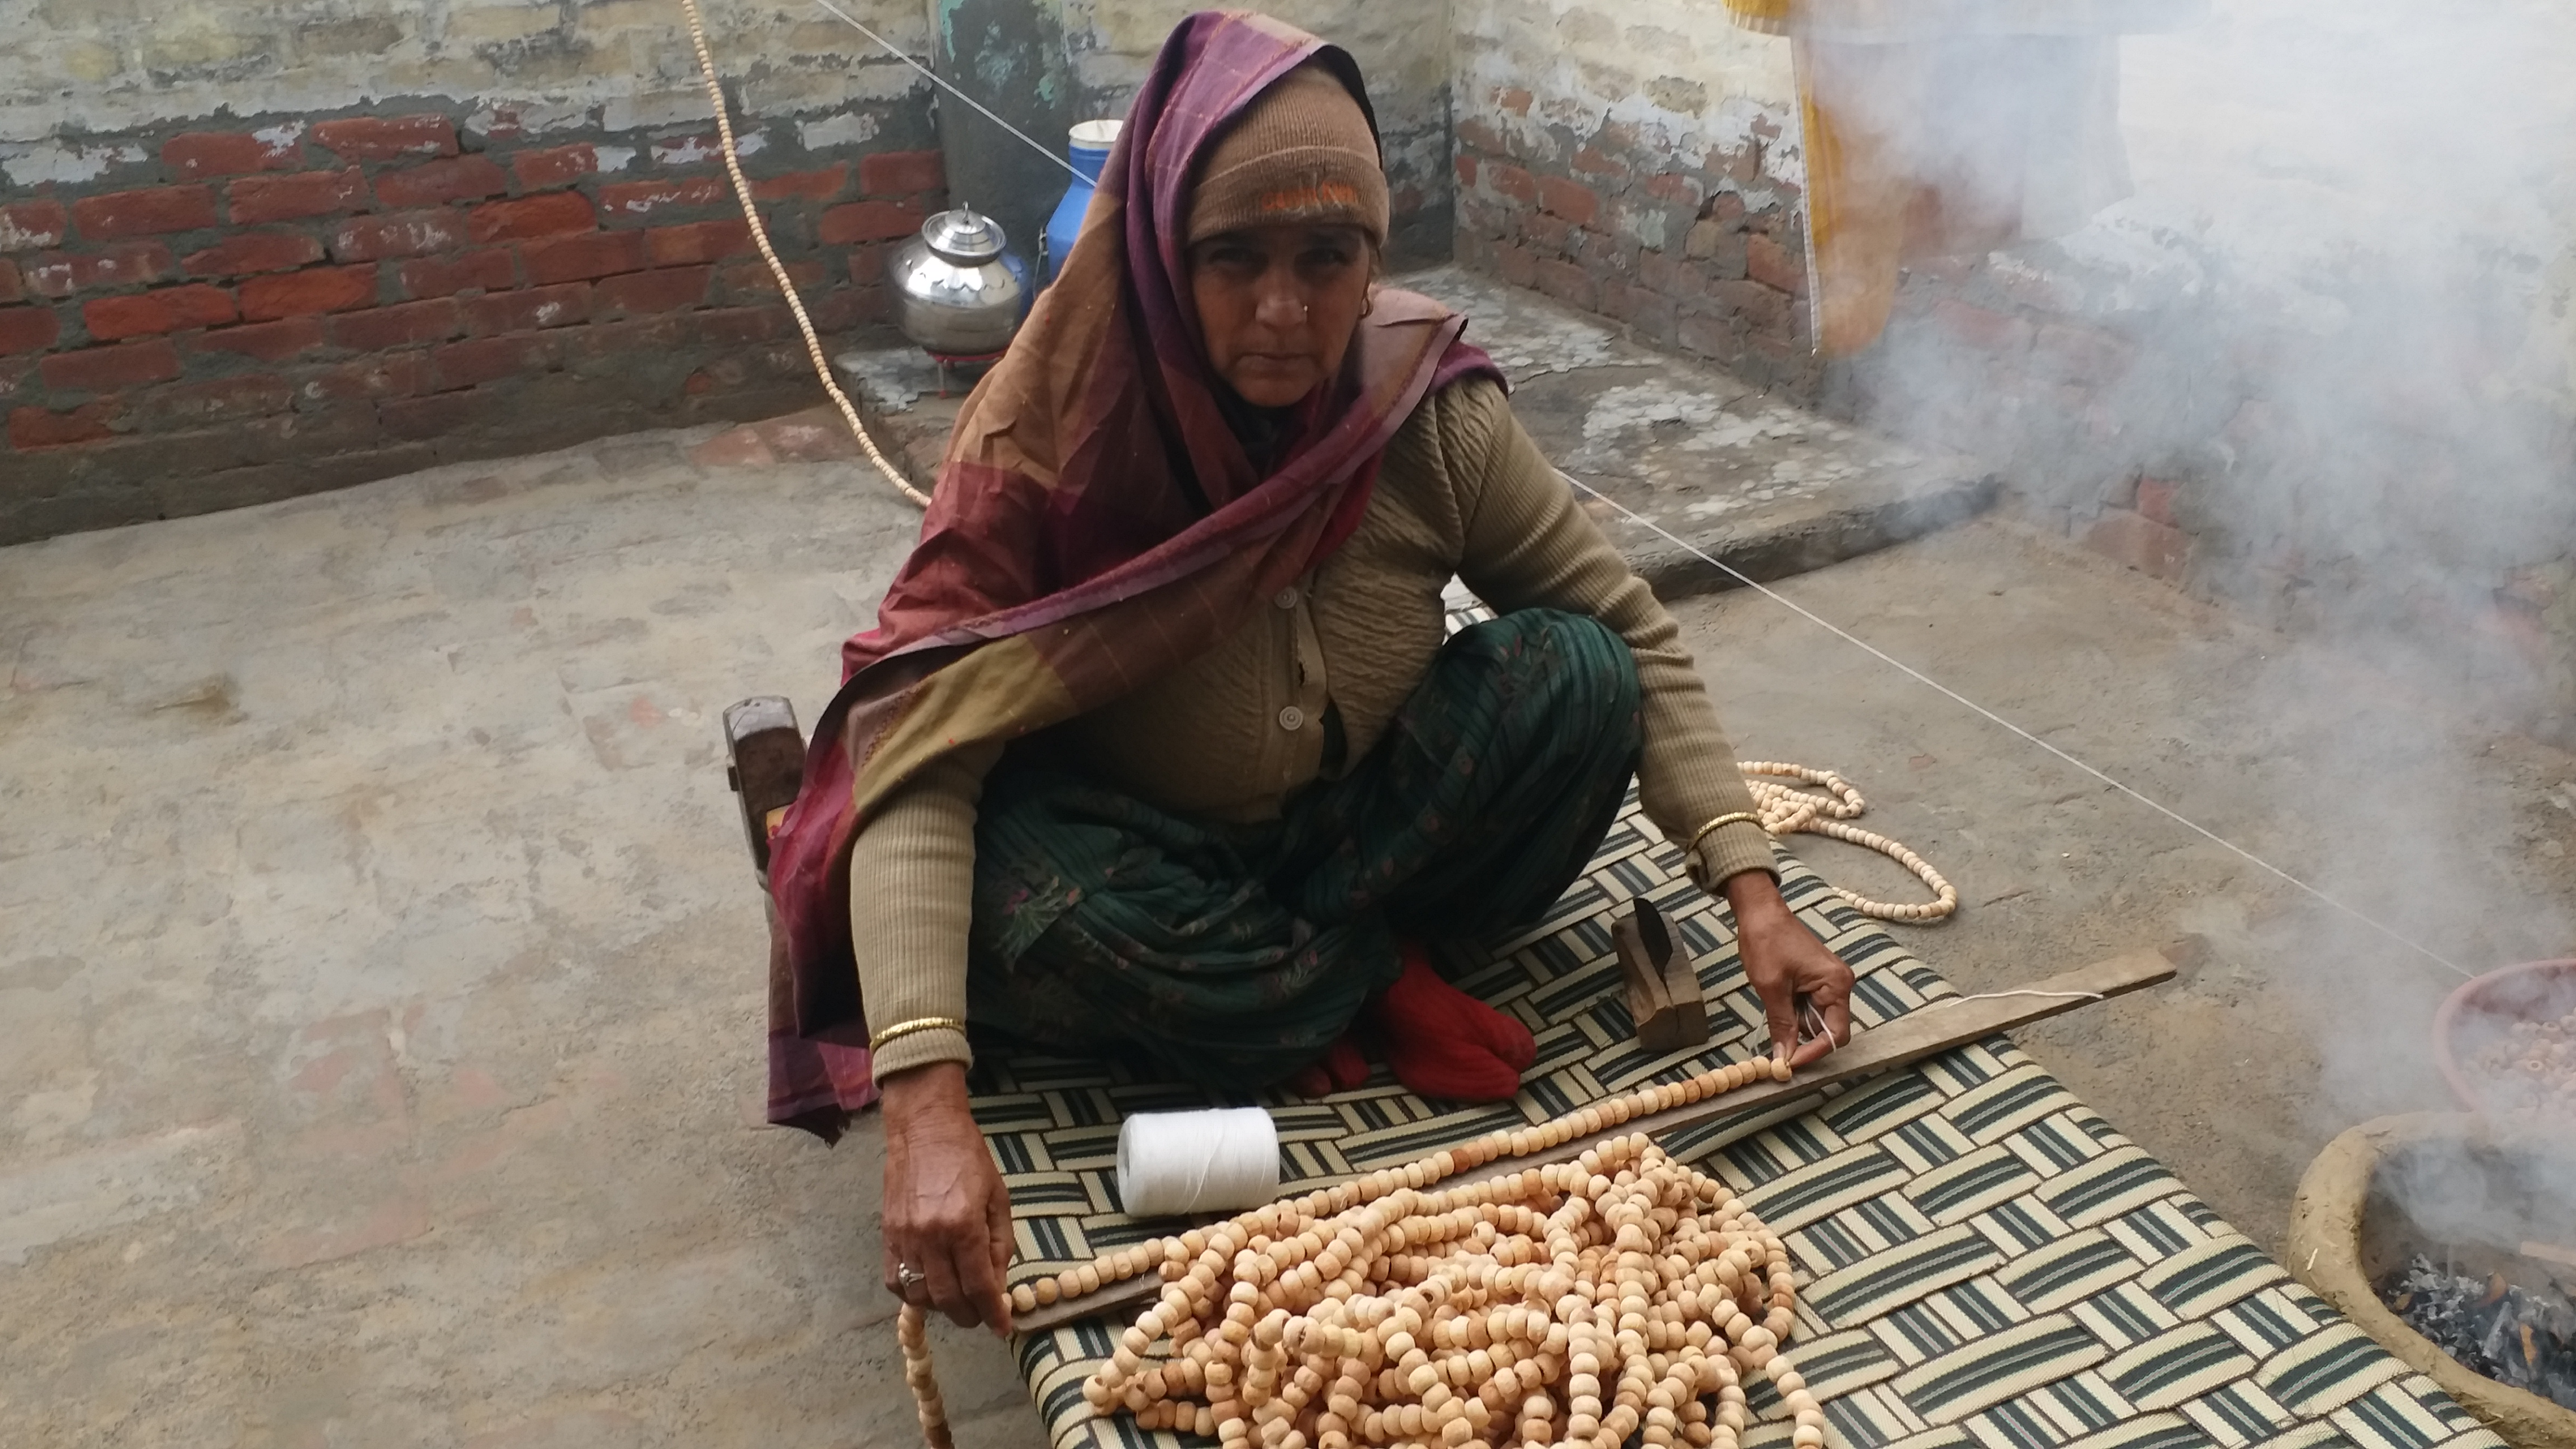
point(1928, 681)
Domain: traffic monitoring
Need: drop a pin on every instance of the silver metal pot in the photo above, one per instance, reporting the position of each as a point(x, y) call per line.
point(960, 294)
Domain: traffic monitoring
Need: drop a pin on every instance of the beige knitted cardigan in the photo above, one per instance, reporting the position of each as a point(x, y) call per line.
point(1462, 490)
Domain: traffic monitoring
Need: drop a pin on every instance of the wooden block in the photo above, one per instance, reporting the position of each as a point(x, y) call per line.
point(1662, 987)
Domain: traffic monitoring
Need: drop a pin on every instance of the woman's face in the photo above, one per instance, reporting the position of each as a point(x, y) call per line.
point(1278, 304)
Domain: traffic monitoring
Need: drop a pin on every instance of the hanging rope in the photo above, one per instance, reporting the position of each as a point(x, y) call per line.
point(1786, 812)
point(778, 269)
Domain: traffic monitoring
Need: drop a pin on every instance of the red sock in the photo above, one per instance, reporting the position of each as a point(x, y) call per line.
point(1444, 1043)
point(1341, 1068)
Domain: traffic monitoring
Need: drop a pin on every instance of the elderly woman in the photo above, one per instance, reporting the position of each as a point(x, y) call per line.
point(1158, 746)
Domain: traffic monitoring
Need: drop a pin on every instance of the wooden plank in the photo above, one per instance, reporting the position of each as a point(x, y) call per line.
point(1934, 1029)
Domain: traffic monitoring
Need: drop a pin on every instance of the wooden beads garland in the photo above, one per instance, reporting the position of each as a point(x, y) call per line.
point(1566, 1305)
point(909, 1333)
point(1696, 1277)
point(1785, 811)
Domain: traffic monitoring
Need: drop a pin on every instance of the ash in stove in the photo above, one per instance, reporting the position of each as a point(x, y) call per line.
point(2522, 1337)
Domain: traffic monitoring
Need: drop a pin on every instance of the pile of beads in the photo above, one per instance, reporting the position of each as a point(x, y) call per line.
point(2531, 1068)
point(1571, 1304)
point(1522, 1296)
point(1785, 811)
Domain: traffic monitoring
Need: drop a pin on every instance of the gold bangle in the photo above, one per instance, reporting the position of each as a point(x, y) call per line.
point(1730, 818)
point(918, 1023)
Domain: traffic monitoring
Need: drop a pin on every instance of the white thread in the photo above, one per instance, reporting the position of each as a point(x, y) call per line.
point(1195, 1162)
point(934, 78)
point(1922, 678)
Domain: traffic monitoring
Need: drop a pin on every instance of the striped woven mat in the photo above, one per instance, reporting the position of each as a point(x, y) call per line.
point(1982, 1259)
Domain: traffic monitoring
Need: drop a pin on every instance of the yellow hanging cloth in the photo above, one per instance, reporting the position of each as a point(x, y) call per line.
point(1937, 128)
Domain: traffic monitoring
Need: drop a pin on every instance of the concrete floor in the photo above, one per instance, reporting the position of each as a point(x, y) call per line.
point(380, 1003)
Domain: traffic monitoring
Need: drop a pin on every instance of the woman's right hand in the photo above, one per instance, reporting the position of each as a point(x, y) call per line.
point(947, 1215)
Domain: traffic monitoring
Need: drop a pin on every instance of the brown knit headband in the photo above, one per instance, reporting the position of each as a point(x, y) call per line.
point(1302, 154)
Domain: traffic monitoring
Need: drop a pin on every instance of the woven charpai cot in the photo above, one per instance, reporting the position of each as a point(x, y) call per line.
point(1980, 1258)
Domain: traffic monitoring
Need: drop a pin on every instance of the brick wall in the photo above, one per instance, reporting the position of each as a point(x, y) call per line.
point(251, 310)
point(1638, 162)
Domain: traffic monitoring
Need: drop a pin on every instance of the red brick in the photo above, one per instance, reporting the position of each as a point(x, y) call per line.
point(27, 329)
point(824, 185)
point(1575, 202)
point(901, 173)
point(554, 166)
point(1568, 283)
point(666, 290)
point(105, 369)
point(2081, 354)
point(1761, 309)
point(742, 326)
point(292, 198)
point(44, 428)
point(1516, 264)
point(488, 269)
point(248, 396)
point(12, 287)
point(121, 264)
point(1466, 167)
point(267, 341)
point(27, 225)
point(255, 251)
point(1712, 337)
point(1676, 187)
point(643, 198)
point(555, 213)
point(867, 265)
point(866, 221)
point(580, 258)
point(424, 417)
point(1978, 327)
point(387, 138)
point(1547, 233)
point(403, 324)
point(2141, 543)
point(171, 309)
point(1513, 99)
point(1512, 182)
point(199, 154)
point(307, 293)
point(1773, 265)
point(697, 241)
point(396, 374)
point(2156, 500)
point(1597, 162)
point(432, 183)
point(146, 212)
point(529, 311)
point(487, 359)
point(677, 151)
point(753, 281)
point(402, 234)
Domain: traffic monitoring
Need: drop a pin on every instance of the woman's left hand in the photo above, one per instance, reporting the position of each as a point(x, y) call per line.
point(1790, 969)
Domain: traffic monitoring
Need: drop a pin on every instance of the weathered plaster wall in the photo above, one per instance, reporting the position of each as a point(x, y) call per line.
point(1403, 49)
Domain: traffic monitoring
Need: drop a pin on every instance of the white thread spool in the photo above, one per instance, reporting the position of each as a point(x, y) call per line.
point(1193, 1162)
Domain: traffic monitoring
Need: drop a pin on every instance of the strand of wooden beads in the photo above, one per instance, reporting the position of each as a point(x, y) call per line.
point(910, 1333)
point(1786, 812)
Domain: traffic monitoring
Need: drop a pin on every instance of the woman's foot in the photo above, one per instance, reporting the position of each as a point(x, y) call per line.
point(1444, 1043)
point(1341, 1068)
